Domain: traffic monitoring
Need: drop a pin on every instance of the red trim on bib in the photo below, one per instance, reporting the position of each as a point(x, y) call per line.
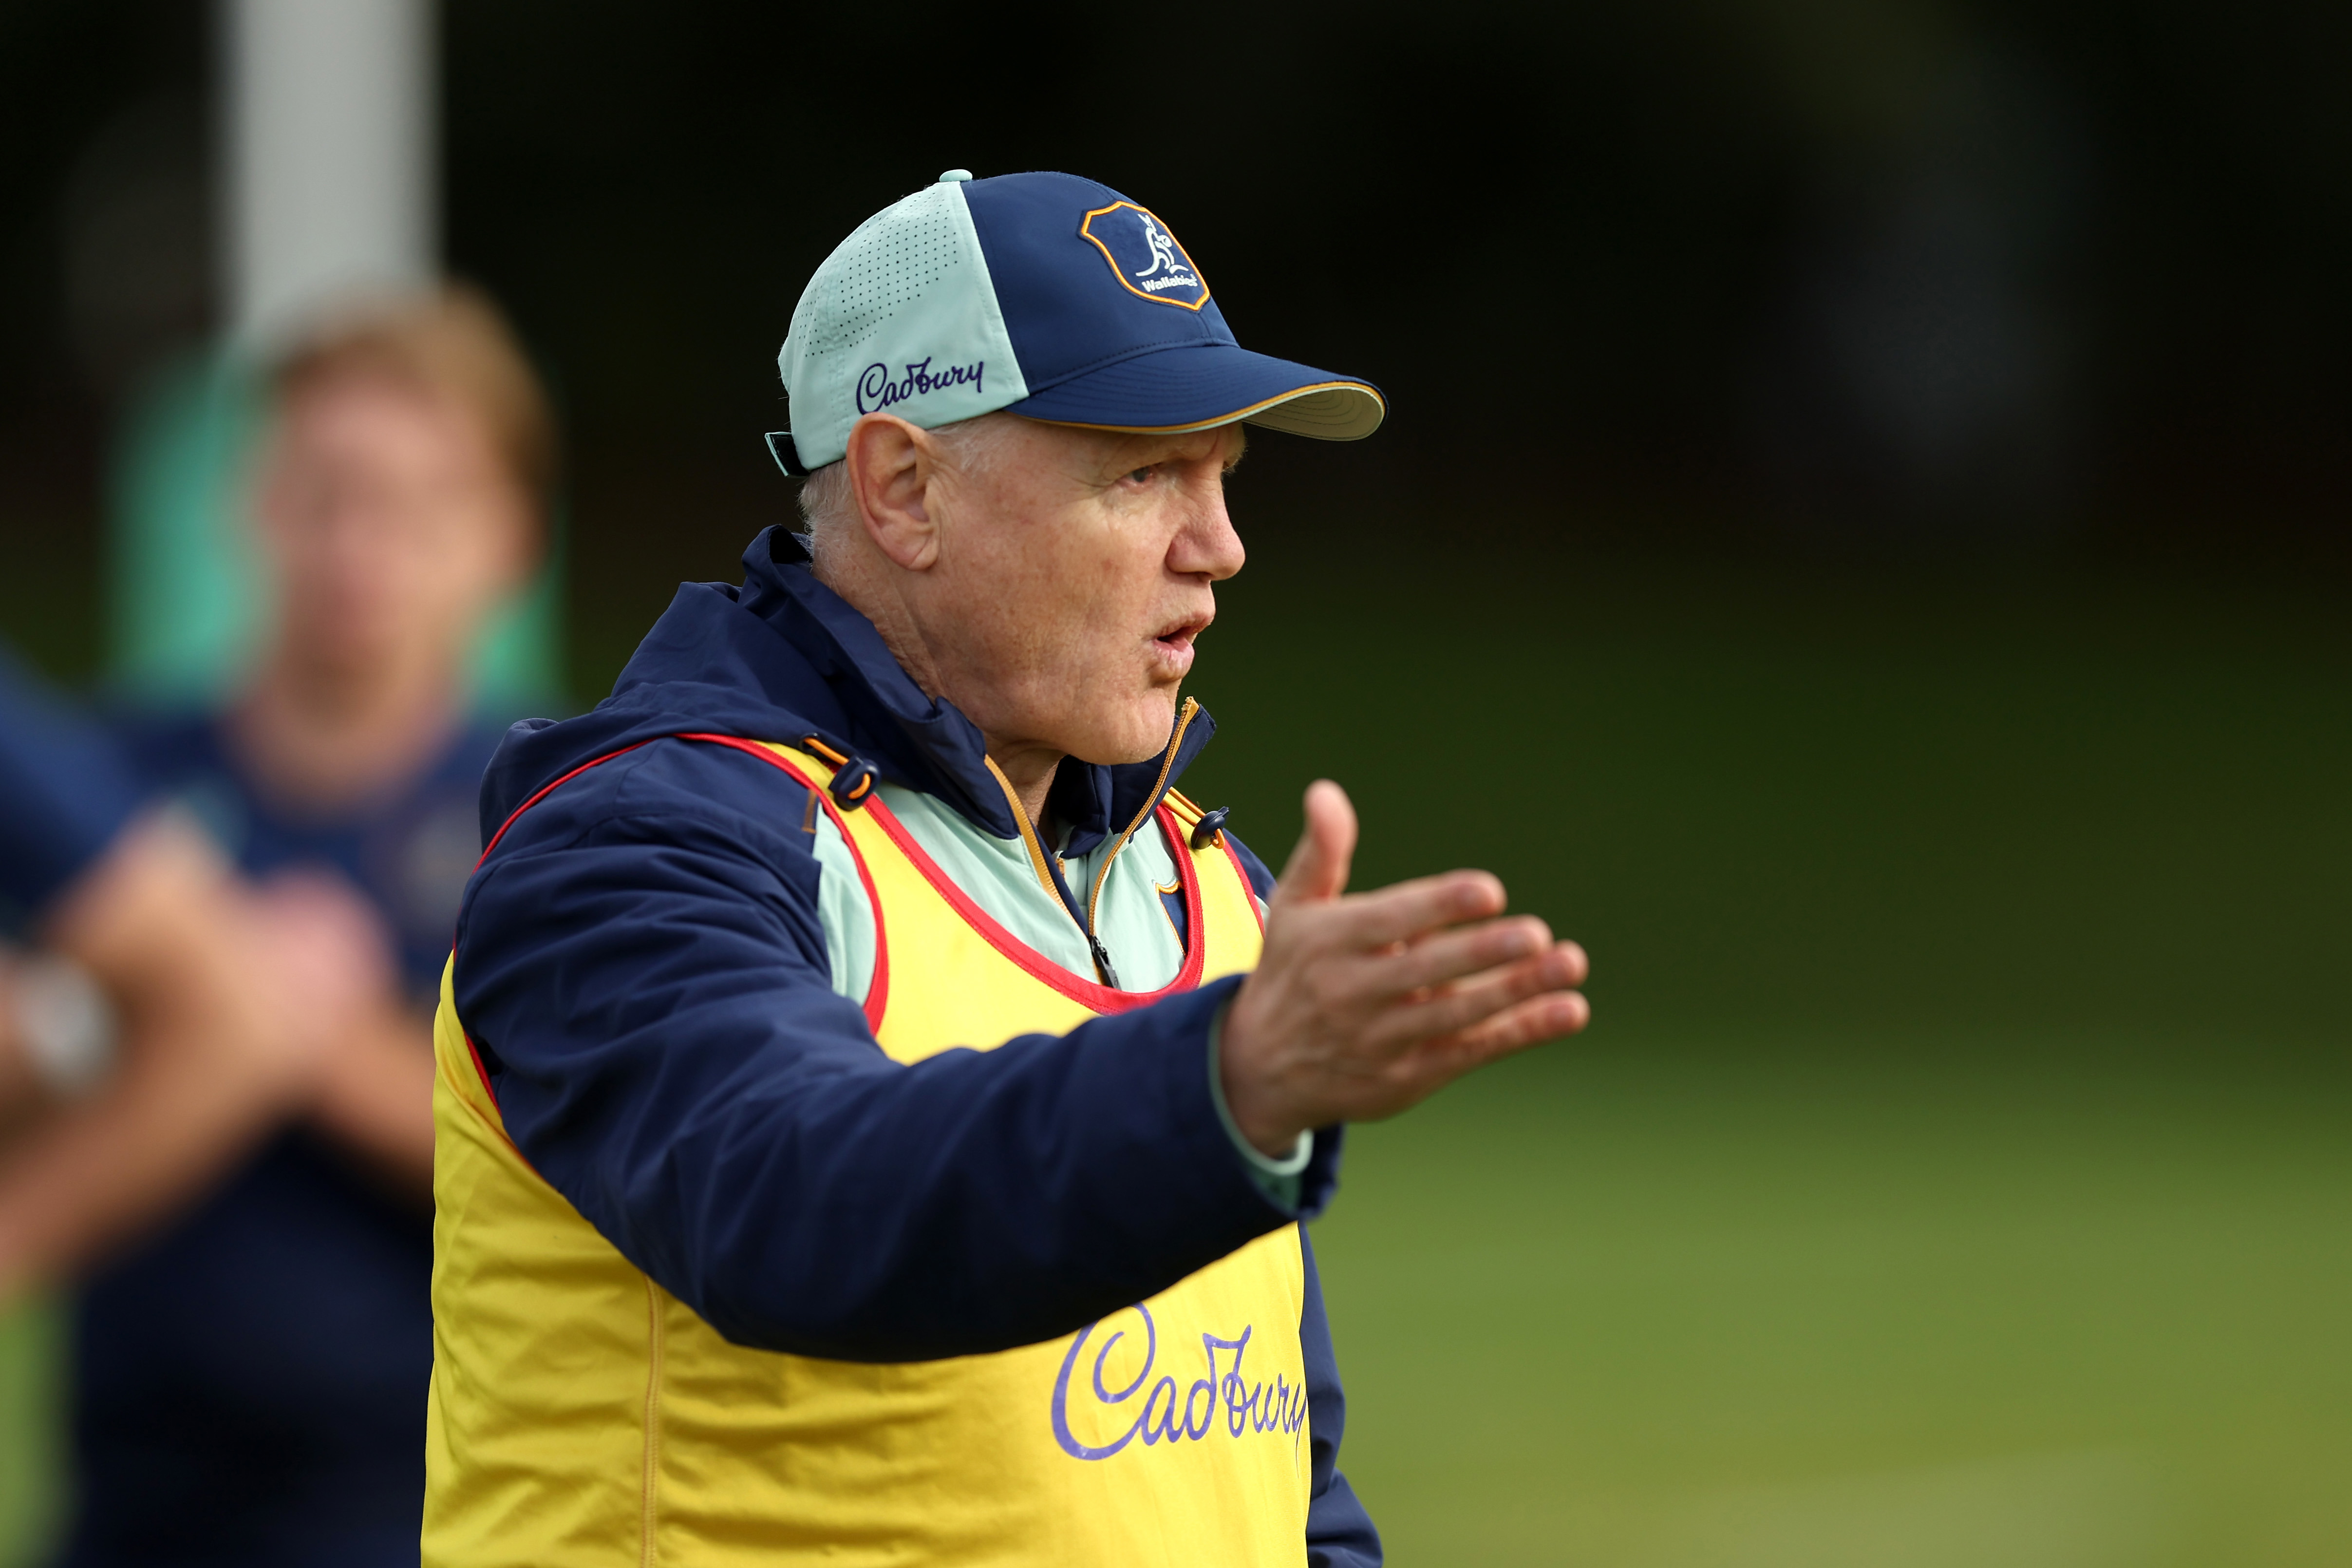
point(878, 991)
point(480, 1070)
point(543, 791)
point(1098, 997)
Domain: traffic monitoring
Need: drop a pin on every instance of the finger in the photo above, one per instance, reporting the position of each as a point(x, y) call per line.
point(1516, 1028)
point(1386, 975)
point(1317, 868)
point(1459, 1007)
point(1405, 911)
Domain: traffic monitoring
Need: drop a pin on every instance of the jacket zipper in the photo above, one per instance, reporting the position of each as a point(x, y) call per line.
point(1047, 878)
point(1036, 848)
point(1159, 788)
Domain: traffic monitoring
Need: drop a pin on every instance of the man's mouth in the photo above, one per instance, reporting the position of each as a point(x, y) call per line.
point(1171, 647)
point(1179, 636)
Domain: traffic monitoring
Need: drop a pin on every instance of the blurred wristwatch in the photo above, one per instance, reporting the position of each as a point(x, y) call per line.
point(66, 1023)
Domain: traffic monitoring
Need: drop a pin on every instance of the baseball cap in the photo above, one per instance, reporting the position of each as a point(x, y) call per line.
point(1044, 295)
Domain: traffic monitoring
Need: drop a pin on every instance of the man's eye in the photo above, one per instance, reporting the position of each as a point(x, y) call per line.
point(1141, 476)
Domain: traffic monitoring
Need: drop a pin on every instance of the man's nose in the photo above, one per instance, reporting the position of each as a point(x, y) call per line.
point(1207, 544)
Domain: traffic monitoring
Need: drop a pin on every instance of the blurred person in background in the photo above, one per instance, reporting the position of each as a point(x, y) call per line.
point(250, 1385)
point(163, 1019)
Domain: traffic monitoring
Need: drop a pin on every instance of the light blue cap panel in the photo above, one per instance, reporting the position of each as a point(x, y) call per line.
point(902, 319)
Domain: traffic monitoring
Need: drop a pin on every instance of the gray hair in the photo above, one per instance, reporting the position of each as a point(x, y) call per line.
point(972, 447)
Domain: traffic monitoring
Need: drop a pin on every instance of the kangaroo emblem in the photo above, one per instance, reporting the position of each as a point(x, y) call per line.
point(1127, 236)
point(1163, 249)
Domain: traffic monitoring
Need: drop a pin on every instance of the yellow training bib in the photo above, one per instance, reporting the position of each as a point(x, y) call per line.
point(582, 1416)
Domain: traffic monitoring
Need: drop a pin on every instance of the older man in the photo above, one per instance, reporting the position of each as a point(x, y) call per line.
point(876, 1109)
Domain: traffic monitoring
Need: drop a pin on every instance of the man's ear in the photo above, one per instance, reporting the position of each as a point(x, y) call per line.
point(892, 467)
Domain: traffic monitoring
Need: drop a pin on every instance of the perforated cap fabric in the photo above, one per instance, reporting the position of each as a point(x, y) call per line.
point(901, 317)
point(1043, 294)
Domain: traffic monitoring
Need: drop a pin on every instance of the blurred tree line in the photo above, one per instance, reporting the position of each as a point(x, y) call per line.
point(1905, 282)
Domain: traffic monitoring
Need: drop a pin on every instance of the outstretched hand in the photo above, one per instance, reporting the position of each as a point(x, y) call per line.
point(1365, 1004)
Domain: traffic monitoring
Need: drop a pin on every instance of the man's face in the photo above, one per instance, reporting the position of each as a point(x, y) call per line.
point(388, 524)
point(1073, 575)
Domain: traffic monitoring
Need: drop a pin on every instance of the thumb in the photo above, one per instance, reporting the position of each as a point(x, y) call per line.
point(1317, 868)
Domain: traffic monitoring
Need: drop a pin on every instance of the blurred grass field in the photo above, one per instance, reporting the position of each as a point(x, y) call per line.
point(1688, 1304)
point(1957, 1173)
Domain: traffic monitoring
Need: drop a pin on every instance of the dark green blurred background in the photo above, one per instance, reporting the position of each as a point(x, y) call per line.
point(1860, 542)
point(1957, 1172)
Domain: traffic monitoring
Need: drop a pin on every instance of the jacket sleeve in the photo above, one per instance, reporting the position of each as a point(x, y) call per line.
point(642, 969)
point(1340, 1533)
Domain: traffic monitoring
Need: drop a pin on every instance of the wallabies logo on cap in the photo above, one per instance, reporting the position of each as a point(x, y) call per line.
point(1144, 256)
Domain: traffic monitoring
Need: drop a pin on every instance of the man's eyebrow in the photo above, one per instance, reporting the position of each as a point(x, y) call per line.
point(1241, 450)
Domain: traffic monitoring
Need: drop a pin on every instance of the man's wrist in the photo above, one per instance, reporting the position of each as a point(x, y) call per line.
point(1279, 1178)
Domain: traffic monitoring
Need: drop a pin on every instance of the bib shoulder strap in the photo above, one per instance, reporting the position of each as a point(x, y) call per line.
point(817, 774)
point(1182, 807)
point(825, 779)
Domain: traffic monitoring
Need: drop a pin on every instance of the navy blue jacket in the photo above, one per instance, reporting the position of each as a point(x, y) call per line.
point(641, 966)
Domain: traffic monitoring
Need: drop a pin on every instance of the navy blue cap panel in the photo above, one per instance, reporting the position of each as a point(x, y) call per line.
point(1179, 388)
point(1063, 282)
point(1079, 305)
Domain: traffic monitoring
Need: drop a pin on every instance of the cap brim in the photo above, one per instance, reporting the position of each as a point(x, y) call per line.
point(1200, 386)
